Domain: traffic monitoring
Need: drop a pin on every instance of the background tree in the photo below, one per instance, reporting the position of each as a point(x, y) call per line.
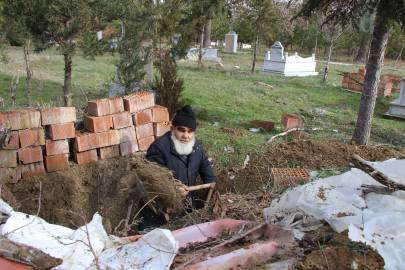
point(365, 28)
point(388, 12)
point(57, 22)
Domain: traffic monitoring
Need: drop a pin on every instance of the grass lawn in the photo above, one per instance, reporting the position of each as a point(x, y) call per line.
point(224, 97)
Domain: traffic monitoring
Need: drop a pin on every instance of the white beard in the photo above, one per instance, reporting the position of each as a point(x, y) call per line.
point(183, 149)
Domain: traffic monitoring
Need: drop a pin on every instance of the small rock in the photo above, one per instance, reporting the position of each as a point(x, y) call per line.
point(318, 112)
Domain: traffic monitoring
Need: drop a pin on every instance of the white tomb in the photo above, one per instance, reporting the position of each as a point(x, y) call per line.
point(397, 107)
point(231, 42)
point(99, 35)
point(278, 63)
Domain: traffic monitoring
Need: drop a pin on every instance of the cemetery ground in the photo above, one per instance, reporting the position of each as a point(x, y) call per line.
point(225, 101)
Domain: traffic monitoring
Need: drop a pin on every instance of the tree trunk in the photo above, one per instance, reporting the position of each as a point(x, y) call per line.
point(327, 62)
point(302, 42)
point(29, 74)
point(316, 41)
point(361, 55)
point(207, 34)
point(368, 98)
point(118, 80)
point(68, 80)
point(200, 51)
point(255, 55)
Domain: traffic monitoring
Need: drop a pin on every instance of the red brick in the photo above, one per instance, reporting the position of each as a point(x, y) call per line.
point(60, 131)
point(291, 121)
point(384, 88)
point(287, 177)
point(362, 71)
point(161, 128)
point(160, 114)
point(30, 155)
point(8, 158)
point(58, 115)
point(352, 86)
point(84, 141)
point(358, 88)
point(116, 105)
point(126, 134)
point(266, 125)
point(143, 144)
point(129, 147)
point(25, 119)
point(108, 152)
point(352, 75)
point(122, 120)
point(345, 85)
point(10, 175)
point(346, 79)
point(33, 136)
point(142, 117)
point(143, 131)
point(107, 138)
point(98, 124)
point(56, 147)
point(360, 78)
point(14, 142)
point(57, 163)
point(32, 169)
point(85, 157)
point(138, 101)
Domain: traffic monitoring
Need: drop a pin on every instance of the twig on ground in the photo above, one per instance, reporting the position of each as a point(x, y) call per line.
point(291, 130)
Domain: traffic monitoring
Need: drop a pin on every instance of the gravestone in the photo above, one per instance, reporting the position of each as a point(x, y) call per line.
point(176, 39)
point(211, 55)
point(231, 42)
point(220, 43)
point(397, 107)
point(99, 35)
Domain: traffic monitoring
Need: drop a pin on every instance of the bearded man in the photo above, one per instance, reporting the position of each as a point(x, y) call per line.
point(181, 152)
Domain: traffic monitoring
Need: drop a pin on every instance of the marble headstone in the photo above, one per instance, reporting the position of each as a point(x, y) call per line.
point(276, 52)
point(99, 35)
point(397, 107)
point(231, 42)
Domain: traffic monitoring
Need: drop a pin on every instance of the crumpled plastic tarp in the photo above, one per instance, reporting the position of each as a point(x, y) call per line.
point(156, 251)
point(378, 220)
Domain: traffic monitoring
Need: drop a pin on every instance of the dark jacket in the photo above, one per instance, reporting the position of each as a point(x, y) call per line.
point(162, 151)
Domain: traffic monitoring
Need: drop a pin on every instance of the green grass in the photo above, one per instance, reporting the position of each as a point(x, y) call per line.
point(231, 99)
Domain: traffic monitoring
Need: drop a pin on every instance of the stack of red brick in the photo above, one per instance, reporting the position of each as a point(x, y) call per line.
point(348, 83)
point(22, 156)
point(119, 126)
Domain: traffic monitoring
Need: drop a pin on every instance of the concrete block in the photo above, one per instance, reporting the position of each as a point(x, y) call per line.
point(84, 141)
point(30, 155)
point(24, 119)
point(108, 152)
point(60, 131)
point(138, 101)
point(14, 142)
point(144, 131)
point(56, 147)
point(291, 121)
point(35, 136)
point(126, 134)
point(266, 125)
point(8, 158)
point(58, 115)
point(57, 162)
point(160, 114)
point(142, 117)
point(85, 157)
point(143, 144)
point(97, 124)
point(159, 129)
point(32, 169)
point(122, 120)
point(107, 138)
point(129, 147)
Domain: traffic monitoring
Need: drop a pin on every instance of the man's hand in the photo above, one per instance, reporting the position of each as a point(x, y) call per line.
point(212, 185)
point(185, 193)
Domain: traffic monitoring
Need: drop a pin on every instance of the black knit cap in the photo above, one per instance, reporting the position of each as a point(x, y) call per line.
point(185, 117)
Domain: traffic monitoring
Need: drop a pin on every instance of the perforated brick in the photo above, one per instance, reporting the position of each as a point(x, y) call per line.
point(107, 138)
point(58, 115)
point(126, 134)
point(24, 119)
point(384, 88)
point(129, 147)
point(108, 152)
point(60, 131)
point(97, 123)
point(143, 144)
point(142, 117)
point(291, 121)
point(106, 106)
point(33, 136)
point(362, 71)
point(122, 120)
point(30, 155)
point(144, 131)
point(14, 142)
point(8, 158)
point(289, 177)
point(56, 147)
point(84, 141)
point(138, 101)
point(160, 114)
point(32, 169)
point(85, 157)
point(159, 129)
point(116, 105)
point(57, 163)
point(266, 125)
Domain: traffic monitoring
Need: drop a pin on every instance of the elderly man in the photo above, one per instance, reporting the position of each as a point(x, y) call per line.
point(181, 152)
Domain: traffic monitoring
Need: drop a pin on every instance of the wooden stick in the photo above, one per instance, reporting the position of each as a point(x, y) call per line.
point(291, 130)
point(376, 174)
